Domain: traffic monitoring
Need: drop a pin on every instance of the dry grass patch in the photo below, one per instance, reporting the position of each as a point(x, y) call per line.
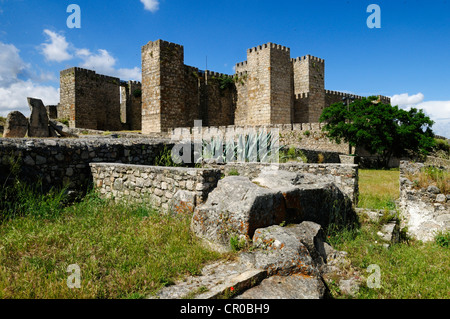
point(378, 189)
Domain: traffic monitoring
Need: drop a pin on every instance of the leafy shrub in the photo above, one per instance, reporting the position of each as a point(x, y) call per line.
point(443, 239)
point(165, 159)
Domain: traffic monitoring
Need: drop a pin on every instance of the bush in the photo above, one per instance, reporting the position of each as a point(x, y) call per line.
point(443, 239)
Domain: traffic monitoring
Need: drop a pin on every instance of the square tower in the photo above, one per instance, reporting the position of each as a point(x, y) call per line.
point(269, 86)
point(163, 95)
point(309, 88)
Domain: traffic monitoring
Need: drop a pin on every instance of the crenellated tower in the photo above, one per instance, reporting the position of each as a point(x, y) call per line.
point(309, 88)
point(268, 89)
point(162, 86)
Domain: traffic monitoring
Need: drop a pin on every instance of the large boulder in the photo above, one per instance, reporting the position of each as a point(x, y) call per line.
point(236, 208)
point(281, 252)
point(309, 197)
point(38, 119)
point(16, 125)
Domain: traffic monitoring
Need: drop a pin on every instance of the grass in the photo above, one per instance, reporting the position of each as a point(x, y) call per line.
point(378, 189)
point(123, 251)
point(431, 176)
point(410, 269)
point(131, 251)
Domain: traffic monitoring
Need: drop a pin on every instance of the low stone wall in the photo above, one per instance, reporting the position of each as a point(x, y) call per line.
point(425, 211)
point(60, 162)
point(168, 188)
point(345, 177)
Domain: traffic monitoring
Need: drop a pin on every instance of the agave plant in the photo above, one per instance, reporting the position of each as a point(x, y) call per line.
point(251, 147)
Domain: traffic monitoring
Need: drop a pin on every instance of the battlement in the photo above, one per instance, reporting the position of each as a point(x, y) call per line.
point(80, 71)
point(216, 74)
point(301, 96)
point(342, 94)
point(269, 46)
point(384, 99)
point(134, 82)
point(309, 58)
point(159, 43)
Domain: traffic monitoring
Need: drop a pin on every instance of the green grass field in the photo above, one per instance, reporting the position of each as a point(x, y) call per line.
point(130, 251)
point(123, 252)
point(410, 269)
point(378, 189)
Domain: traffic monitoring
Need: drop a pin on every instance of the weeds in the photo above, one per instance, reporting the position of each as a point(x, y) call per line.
point(431, 176)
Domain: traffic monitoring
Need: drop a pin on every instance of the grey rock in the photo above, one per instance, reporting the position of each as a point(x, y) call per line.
point(440, 198)
point(433, 189)
point(61, 129)
point(237, 207)
point(313, 237)
point(349, 286)
point(38, 119)
point(217, 280)
point(296, 286)
point(16, 125)
point(390, 232)
point(183, 202)
point(282, 252)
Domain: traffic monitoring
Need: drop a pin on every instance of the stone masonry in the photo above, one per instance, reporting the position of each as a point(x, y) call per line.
point(92, 101)
point(269, 88)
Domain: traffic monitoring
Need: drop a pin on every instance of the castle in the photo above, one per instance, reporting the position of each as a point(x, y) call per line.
point(269, 88)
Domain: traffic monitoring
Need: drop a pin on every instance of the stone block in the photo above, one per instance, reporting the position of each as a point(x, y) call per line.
point(237, 207)
point(16, 125)
point(38, 119)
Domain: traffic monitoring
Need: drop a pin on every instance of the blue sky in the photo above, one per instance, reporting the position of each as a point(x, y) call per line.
point(407, 58)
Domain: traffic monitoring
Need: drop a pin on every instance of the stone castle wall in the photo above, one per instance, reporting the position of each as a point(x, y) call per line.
point(92, 101)
point(174, 94)
point(268, 88)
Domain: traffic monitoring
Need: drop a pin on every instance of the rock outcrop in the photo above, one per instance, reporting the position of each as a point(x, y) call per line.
point(16, 125)
point(283, 263)
point(38, 119)
point(238, 206)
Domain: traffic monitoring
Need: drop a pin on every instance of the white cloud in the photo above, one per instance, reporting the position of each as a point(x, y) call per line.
point(13, 90)
point(438, 111)
point(56, 48)
point(104, 63)
point(404, 100)
point(151, 5)
point(11, 65)
point(14, 97)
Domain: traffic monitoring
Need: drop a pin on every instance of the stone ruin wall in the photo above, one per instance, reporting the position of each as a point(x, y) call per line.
point(66, 161)
point(425, 211)
point(160, 185)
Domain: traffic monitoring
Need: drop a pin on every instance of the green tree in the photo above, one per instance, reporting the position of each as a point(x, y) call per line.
point(382, 129)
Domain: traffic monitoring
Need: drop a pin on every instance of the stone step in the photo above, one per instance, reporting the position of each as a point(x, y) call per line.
point(223, 279)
